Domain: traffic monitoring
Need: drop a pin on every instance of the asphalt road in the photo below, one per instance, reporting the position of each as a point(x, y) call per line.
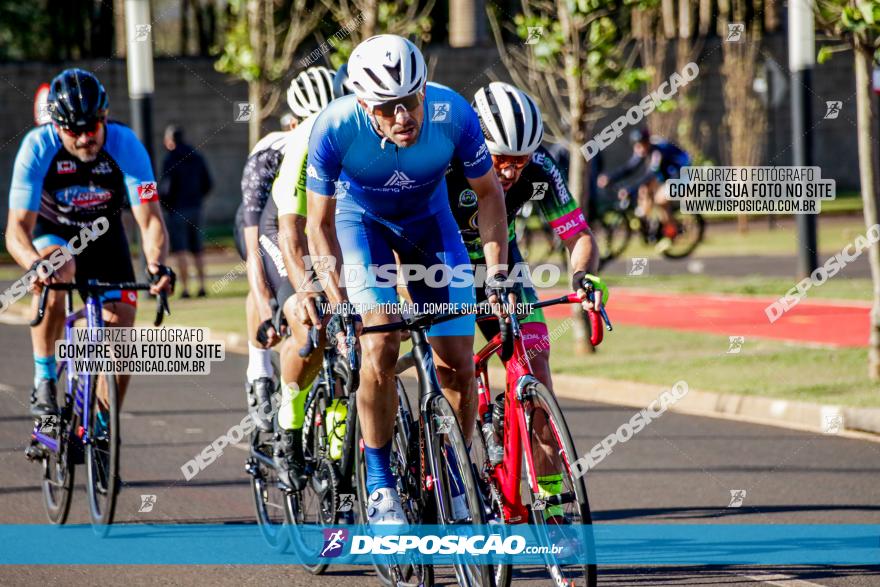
point(680, 469)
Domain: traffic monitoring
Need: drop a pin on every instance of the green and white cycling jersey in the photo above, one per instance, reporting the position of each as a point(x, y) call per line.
point(542, 182)
point(289, 189)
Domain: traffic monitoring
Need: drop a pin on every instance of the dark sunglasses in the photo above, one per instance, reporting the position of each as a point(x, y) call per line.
point(388, 109)
point(89, 131)
point(504, 161)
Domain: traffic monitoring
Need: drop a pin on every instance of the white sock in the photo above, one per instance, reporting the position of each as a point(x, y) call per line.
point(259, 363)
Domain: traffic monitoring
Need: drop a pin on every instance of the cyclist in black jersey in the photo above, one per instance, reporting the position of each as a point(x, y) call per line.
point(512, 124)
point(72, 175)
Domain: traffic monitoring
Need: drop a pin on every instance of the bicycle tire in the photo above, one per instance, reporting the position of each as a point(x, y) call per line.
point(537, 395)
point(442, 422)
point(265, 483)
point(698, 229)
point(59, 467)
point(615, 234)
point(102, 459)
point(310, 506)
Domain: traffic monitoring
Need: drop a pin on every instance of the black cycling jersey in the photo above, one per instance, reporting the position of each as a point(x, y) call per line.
point(541, 181)
point(259, 174)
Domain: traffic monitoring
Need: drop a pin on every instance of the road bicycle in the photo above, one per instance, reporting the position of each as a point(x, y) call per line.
point(422, 443)
point(75, 435)
point(533, 429)
point(618, 221)
point(329, 438)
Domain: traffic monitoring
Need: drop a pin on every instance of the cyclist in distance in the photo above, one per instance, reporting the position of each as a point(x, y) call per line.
point(68, 175)
point(662, 161)
point(256, 230)
point(514, 129)
point(375, 181)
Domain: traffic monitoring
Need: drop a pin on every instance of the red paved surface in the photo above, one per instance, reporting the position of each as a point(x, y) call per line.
point(843, 324)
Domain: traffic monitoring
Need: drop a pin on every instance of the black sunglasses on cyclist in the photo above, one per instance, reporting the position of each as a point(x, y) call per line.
point(388, 109)
point(88, 130)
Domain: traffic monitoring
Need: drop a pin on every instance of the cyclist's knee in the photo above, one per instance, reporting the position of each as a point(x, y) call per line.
point(380, 352)
point(119, 314)
point(456, 370)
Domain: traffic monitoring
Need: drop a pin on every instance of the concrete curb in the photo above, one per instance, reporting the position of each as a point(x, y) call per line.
point(863, 423)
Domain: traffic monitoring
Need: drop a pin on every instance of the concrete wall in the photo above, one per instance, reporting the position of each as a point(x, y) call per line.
point(189, 91)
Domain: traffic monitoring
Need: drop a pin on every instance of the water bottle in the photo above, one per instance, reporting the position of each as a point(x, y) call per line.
point(494, 450)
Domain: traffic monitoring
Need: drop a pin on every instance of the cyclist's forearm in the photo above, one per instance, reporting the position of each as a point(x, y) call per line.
point(324, 250)
point(153, 235)
point(18, 243)
point(256, 274)
point(492, 220)
point(583, 252)
point(294, 247)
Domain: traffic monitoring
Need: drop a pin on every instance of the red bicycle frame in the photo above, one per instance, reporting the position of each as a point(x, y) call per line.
point(519, 372)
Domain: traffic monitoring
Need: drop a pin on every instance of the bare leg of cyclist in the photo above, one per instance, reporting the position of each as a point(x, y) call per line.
point(43, 337)
point(662, 203)
point(377, 405)
point(376, 397)
point(455, 369)
point(116, 314)
point(297, 373)
point(548, 463)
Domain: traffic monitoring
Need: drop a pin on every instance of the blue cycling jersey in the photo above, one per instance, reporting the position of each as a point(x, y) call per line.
point(387, 181)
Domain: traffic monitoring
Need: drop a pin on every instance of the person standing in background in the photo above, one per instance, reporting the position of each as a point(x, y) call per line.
point(185, 183)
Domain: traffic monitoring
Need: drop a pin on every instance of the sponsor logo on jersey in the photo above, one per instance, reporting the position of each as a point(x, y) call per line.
point(147, 192)
point(399, 179)
point(66, 166)
point(82, 197)
point(576, 219)
point(312, 172)
point(102, 168)
point(467, 198)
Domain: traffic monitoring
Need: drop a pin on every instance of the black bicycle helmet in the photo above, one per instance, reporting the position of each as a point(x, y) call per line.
point(77, 100)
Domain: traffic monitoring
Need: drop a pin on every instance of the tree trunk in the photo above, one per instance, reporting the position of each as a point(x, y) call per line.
point(184, 27)
point(869, 173)
point(119, 29)
point(255, 94)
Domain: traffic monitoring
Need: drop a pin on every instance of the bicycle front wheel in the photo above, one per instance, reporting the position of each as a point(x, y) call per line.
point(59, 466)
point(559, 503)
point(454, 476)
point(102, 456)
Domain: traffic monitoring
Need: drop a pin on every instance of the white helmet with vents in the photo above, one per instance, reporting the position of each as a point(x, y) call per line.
point(386, 67)
point(310, 91)
point(510, 119)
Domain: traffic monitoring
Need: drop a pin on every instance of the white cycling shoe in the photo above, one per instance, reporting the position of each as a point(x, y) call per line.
point(383, 507)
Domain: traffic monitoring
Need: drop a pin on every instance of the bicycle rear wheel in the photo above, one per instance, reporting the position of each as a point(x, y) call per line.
point(560, 513)
point(614, 235)
point(102, 457)
point(269, 496)
point(59, 467)
point(450, 457)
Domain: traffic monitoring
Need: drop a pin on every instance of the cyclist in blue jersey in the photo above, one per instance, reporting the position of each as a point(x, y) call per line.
point(662, 161)
point(68, 175)
point(383, 153)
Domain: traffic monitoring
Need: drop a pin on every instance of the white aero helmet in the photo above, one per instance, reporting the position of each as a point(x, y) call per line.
point(386, 67)
point(310, 91)
point(341, 82)
point(510, 119)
